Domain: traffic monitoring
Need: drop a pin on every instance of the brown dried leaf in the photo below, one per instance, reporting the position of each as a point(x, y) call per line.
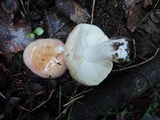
point(147, 3)
point(133, 17)
point(72, 10)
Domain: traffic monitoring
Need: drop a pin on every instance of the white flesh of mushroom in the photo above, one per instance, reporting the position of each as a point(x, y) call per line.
point(115, 50)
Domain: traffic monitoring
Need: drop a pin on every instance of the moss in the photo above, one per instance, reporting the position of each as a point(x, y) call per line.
point(141, 84)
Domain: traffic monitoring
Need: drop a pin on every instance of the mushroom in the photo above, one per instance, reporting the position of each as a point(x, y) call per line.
point(89, 54)
point(44, 57)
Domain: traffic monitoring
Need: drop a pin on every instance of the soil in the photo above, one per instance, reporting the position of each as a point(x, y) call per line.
point(24, 95)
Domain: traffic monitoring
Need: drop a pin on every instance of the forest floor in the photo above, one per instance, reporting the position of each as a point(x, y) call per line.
point(25, 96)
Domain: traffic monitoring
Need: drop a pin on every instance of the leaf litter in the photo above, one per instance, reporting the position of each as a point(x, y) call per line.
point(25, 94)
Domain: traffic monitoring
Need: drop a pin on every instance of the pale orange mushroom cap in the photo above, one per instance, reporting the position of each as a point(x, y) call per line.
point(44, 57)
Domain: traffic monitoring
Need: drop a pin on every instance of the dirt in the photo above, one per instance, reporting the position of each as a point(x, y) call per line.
point(23, 94)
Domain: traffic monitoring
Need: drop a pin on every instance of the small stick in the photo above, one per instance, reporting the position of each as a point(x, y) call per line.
point(25, 12)
point(92, 13)
point(147, 15)
point(129, 67)
point(24, 108)
point(73, 100)
point(5, 68)
point(81, 93)
point(67, 105)
point(39, 104)
point(2, 95)
point(134, 49)
point(63, 112)
point(22, 13)
point(43, 102)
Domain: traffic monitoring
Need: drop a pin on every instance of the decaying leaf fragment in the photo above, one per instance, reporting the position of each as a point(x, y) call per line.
point(56, 26)
point(155, 16)
point(14, 38)
point(72, 10)
point(133, 17)
point(147, 3)
point(18, 33)
point(129, 3)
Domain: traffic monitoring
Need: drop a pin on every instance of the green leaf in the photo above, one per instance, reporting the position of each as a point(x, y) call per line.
point(128, 59)
point(38, 31)
point(30, 35)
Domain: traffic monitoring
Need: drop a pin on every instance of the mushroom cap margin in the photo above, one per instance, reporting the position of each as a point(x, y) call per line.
point(57, 69)
point(83, 71)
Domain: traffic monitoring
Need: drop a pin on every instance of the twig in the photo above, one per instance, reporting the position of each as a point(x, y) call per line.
point(63, 112)
point(146, 15)
point(59, 100)
point(25, 12)
point(39, 104)
point(73, 100)
point(81, 93)
point(43, 102)
point(134, 49)
point(2, 95)
point(143, 58)
point(24, 108)
point(28, 6)
point(59, 29)
point(69, 114)
point(156, 93)
point(22, 13)
point(39, 93)
point(5, 68)
point(92, 13)
point(129, 67)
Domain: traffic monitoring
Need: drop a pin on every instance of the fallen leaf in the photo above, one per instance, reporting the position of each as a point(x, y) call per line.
point(18, 39)
point(133, 17)
point(14, 38)
point(56, 26)
point(11, 104)
point(53, 23)
point(72, 10)
point(150, 27)
point(155, 15)
point(147, 3)
point(129, 3)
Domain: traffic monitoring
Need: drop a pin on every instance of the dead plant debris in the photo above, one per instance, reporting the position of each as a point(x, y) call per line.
point(23, 95)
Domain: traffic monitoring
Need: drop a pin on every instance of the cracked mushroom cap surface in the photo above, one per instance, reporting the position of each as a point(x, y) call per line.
point(44, 57)
point(83, 71)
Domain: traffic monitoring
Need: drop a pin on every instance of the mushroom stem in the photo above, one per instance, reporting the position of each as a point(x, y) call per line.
point(115, 50)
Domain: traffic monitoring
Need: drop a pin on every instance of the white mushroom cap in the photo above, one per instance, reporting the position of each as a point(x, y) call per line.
point(81, 69)
point(44, 57)
point(89, 54)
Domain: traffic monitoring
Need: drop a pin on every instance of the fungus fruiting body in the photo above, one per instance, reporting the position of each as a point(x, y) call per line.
point(44, 57)
point(89, 54)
